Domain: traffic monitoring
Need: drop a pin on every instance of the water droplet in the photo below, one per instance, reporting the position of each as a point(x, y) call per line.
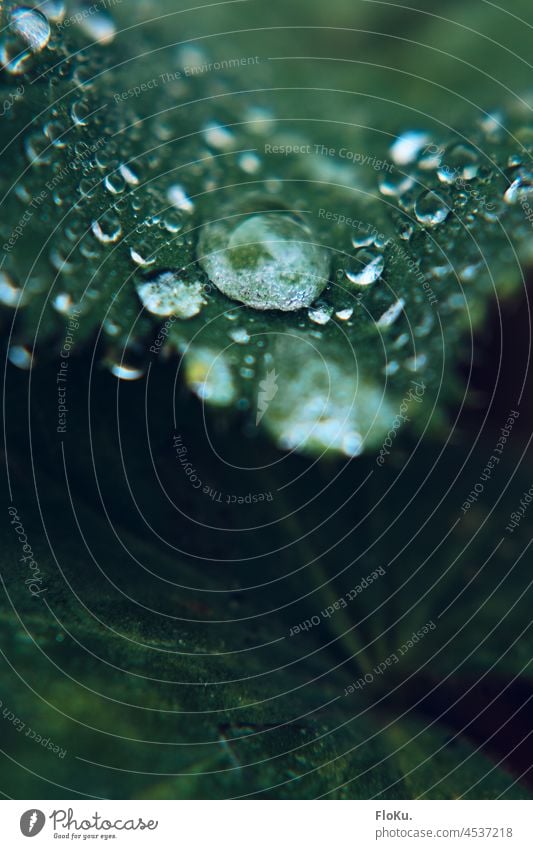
point(55, 132)
point(401, 341)
point(344, 315)
point(114, 183)
point(390, 315)
point(362, 241)
point(32, 27)
point(368, 268)
point(431, 209)
point(99, 26)
point(395, 184)
point(352, 444)
point(391, 368)
point(129, 175)
point(239, 335)
point(179, 198)
point(11, 295)
point(218, 136)
point(165, 293)
point(406, 148)
point(79, 112)
point(461, 162)
point(142, 254)
point(62, 303)
point(320, 314)
point(37, 149)
point(20, 356)
point(53, 9)
point(107, 229)
point(521, 187)
point(249, 162)
point(416, 363)
point(125, 372)
point(267, 261)
point(209, 376)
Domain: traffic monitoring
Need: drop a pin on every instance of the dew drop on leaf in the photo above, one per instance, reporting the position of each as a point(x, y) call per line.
point(266, 261)
point(367, 268)
point(431, 209)
point(165, 293)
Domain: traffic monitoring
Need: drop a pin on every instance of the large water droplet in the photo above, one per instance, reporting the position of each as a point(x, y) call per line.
point(266, 261)
point(167, 294)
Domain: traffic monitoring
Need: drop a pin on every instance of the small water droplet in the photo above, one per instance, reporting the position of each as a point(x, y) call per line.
point(391, 368)
point(416, 363)
point(320, 314)
point(352, 444)
point(362, 241)
point(521, 187)
point(209, 376)
point(32, 27)
point(249, 162)
point(53, 9)
point(99, 26)
point(367, 269)
point(390, 315)
point(344, 315)
point(107, 229)
point(62, 303)
point(406, 148)
point(395, 184)
point(460, 162)
point(218, 136)
point(20, 356)
point(165, 293)
point(179, 198)
point(129, 175)
point(125, 372)
point(431, 209)
point(239, 335)
point(11, 295)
